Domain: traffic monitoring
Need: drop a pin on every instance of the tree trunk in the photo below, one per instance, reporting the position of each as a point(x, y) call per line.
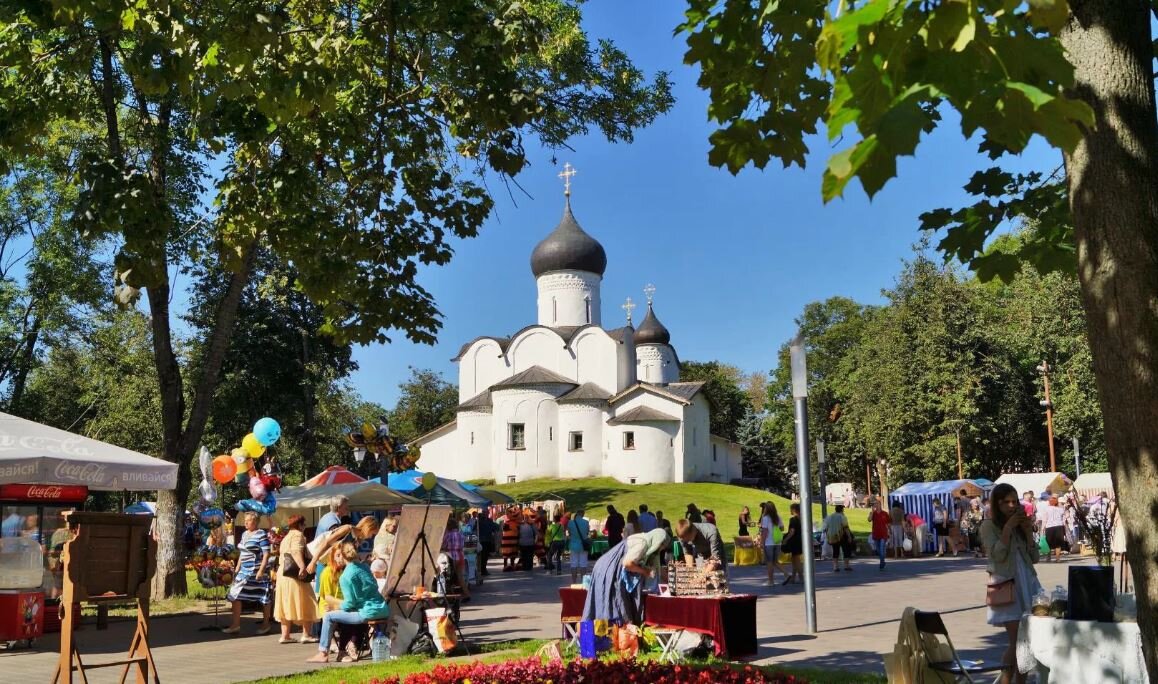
point(1113, 189)
point(23, 368)
point(309, 432)
point(181, 436)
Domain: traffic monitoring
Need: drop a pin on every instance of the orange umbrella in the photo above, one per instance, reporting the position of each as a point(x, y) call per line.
point(332, 476)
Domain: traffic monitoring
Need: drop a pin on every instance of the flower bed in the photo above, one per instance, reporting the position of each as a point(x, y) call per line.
point(533, 670)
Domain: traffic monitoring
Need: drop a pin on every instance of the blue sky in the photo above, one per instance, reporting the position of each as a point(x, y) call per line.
point(734, 259)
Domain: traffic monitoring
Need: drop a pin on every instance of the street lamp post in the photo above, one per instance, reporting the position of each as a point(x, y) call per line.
point(1047, 404)
point(359, 456)
point(800, 397)
point(823, 479)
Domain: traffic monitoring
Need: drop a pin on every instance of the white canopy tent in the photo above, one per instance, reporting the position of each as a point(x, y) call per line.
point(31, 453)
point(1093, 484)
point(1058, 483)
point(314, 502)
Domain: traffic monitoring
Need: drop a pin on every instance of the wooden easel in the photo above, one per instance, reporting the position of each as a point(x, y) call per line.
point(110, 558)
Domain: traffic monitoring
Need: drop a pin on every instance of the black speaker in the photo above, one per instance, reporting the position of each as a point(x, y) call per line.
point(1091, 593)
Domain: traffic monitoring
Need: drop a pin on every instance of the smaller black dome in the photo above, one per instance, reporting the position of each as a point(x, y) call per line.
point(651, 331)
point(568, 248)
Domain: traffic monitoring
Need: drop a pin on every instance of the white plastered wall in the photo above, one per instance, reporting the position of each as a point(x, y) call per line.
point(658, 449)
point(438, 454)
point(589, 419)
point(534, 406)
point(481, 366)
point(697, 438)
point(596, 359)
point(540, 347)
point(568, 298)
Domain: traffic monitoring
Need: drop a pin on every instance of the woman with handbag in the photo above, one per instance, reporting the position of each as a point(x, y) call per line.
point(294, 601)
point(1008, 541)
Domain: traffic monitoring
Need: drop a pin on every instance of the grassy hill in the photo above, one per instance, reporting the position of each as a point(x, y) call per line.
point(596, 493)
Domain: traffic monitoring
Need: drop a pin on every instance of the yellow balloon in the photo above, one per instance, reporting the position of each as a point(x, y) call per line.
point(252, 446)
point(429, 481)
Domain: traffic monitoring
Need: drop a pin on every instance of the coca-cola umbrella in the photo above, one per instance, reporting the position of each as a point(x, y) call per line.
point(35, 453)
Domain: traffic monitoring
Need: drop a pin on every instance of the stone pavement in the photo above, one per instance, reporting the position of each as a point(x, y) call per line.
point(857, 615)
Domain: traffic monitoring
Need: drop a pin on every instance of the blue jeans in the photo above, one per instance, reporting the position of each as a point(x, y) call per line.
point(881, 545)
point(344, 617)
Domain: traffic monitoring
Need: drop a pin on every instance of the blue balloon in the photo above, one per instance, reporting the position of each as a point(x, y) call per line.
point(266, 507)
point(267, 431)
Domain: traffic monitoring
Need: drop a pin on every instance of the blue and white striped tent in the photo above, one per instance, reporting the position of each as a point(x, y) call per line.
point(917, 497)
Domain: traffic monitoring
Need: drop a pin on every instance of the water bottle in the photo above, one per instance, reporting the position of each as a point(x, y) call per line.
point(380, 646)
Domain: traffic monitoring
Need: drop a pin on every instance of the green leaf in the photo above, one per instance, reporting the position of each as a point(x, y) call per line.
point(1050, 15)
point(838, 37)
point(844, 165)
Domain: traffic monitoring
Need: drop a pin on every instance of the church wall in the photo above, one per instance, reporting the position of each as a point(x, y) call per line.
point(568, 298)
point(697, 439)
point(534, 408)
point(625, 360)
point(652, 459)
point(656, 363)
point(724, 460)
point(588, 419)
point(596, 359)
point(440, 455)
point(483, 365)
point(540, 347)
point(474, 431)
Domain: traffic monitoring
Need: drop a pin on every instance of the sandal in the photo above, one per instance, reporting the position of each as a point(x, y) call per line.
point(262, 631)
point(307, 640)
point(286, 640)
point(231, 630)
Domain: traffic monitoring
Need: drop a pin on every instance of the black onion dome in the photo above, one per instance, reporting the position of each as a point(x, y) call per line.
point(568, 248)
point(651, 331)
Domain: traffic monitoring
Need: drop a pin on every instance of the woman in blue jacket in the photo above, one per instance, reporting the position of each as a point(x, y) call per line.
point(361, 601)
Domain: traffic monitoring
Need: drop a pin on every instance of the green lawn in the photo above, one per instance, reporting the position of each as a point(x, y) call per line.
point(596, 493)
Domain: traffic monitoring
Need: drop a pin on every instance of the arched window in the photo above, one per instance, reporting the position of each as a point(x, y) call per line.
point(587, 302)
point(554, 310)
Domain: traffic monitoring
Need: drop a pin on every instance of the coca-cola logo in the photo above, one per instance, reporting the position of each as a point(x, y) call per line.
point(83, 472)
point(45, 492)
point(70, 446)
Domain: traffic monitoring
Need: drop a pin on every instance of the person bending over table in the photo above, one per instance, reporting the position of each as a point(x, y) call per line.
point(361, 601)
point(617, 580)
point(702, 540)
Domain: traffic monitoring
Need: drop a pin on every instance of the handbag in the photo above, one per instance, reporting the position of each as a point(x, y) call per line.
point(999, 594)
point(289, 567)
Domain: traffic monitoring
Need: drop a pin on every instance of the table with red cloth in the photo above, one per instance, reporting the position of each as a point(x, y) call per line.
point(729, 620)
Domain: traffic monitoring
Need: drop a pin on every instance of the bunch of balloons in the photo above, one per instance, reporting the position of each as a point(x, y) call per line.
point(238, 466)
point(377, 441)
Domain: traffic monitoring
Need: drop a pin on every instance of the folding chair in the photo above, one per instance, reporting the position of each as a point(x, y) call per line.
point(668, 640)
point(931, 623)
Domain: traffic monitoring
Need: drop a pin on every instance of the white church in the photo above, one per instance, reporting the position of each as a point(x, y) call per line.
point(566, 397)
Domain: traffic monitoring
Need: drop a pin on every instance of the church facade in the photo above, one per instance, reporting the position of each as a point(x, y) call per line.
point(566, 397)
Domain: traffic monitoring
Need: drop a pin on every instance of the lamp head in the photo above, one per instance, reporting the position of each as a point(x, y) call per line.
point(359, 454)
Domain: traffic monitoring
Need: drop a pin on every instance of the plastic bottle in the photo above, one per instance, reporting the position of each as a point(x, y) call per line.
point(380, 646)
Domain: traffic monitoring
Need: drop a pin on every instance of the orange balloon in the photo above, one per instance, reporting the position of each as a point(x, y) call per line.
point(224, 469)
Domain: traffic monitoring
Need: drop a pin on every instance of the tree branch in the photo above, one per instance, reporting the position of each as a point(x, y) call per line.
point(217, 348)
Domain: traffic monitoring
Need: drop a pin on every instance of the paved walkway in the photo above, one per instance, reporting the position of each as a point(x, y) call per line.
point(857, 616)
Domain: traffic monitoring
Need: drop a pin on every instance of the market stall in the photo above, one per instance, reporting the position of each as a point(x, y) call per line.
point(1058, 483)
point(314, 502)
point(44, 472)
point(1093, 484)
point(918, 498)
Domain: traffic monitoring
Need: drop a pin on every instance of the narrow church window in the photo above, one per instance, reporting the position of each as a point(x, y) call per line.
point(550, 434)
point(575, 441)
point(713, 452)
point(629, 440)
point(587, 300)
point(516, 436)
point(554, 310)
point(472, 437)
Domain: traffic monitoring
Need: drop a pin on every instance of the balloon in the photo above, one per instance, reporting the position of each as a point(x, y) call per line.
point(204, 458)
point(207, 491)
point(256, 488)
point(239, 456)
point(224, 469)
point(267, 431)
point(266, 507)
point(212, 518)
point(429, 481)
point(242, 477)
point(252, 447)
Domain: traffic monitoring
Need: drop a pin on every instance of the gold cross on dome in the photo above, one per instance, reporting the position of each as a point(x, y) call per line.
point(649, 292)
point(566, 174)
point(628, 306)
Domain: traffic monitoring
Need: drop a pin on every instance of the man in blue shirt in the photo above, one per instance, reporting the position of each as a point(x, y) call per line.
point(339, 508)
point(647, 521)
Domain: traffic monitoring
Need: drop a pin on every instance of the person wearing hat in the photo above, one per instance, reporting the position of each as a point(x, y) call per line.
point(703, 541)
point(294, 601)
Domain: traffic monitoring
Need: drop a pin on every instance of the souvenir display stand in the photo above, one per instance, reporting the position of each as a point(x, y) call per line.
point(110, 558)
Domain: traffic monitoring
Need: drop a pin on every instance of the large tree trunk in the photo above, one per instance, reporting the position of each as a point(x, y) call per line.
point(1113, 185)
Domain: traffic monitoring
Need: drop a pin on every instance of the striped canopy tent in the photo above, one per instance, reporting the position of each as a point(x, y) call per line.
point(1093, 484)
point(918, 497)
point(334, 475)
